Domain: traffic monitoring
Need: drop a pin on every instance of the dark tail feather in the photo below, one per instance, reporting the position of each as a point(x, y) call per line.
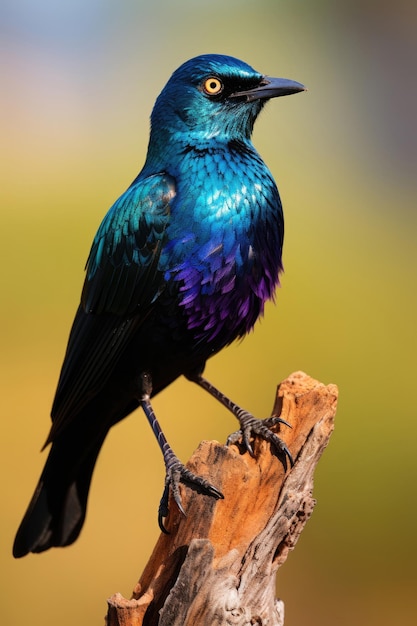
point(57, 510)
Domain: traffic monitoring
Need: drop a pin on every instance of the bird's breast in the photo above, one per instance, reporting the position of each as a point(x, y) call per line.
point(224, 244)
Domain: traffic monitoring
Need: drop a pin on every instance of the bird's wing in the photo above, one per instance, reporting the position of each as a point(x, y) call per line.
point(123, 261)
point(122, 282)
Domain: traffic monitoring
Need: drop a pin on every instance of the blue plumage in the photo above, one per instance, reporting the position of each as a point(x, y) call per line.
point(181, 265)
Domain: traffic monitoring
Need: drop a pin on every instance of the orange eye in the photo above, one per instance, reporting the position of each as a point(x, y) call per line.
point(213, 86)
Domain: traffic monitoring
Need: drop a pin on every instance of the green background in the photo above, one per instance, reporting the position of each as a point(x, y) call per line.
point(79, 81)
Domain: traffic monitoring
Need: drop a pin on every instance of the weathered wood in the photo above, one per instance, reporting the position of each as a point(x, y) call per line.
point(218, 565)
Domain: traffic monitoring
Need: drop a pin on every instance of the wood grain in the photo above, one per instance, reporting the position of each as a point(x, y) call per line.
point(218, 565)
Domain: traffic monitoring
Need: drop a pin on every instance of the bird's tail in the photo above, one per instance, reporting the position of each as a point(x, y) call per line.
point(57, 510)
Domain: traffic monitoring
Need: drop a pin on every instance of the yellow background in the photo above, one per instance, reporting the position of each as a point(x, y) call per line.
point(79, 80)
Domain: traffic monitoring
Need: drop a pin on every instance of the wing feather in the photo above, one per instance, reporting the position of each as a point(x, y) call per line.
point(122, 283)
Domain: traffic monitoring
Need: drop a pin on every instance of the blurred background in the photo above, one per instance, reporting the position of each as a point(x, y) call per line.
point(79, 78)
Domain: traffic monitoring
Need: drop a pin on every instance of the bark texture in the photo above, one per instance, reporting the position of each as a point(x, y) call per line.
point(218, 565)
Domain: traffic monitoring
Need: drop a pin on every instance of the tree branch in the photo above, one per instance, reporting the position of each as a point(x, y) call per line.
point(218, 565)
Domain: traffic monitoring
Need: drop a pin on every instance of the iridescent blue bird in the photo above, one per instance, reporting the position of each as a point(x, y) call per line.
point(181, 266)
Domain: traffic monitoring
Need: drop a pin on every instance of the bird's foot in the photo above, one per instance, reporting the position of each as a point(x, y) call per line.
point(177, 473)
point(251, 426)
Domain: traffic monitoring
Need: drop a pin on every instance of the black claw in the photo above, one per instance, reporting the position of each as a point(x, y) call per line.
point(271, 421)
point(176, 474)
point(247, 444)
point(251, 426)
point(283, 452)
point(289, 455)
point(161, 518)
point(163, 510)
point(215, 493)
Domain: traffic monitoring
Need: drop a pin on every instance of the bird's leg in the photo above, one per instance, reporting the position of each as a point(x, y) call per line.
point(249, 425)
point(176, 472)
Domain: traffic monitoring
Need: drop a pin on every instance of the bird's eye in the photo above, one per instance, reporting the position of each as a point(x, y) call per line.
point(212, 86)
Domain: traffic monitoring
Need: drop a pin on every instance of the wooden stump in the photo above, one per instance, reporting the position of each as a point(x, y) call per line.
point(218, 565)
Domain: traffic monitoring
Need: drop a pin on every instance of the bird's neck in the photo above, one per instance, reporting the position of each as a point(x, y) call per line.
point(166, 148)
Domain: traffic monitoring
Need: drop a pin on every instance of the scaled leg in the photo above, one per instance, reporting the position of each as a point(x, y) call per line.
point(176, 472)
point(249, 425)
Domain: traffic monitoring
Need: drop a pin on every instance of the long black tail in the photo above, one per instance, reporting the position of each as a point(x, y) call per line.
point(57, 510)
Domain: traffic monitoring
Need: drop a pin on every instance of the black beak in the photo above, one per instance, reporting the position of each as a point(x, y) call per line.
point(270, 88)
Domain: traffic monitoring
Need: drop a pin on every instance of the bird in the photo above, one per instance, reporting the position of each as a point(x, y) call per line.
point(181, 266)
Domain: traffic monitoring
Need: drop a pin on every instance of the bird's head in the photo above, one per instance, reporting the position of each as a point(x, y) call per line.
point(214, 96)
